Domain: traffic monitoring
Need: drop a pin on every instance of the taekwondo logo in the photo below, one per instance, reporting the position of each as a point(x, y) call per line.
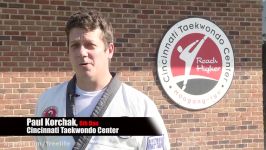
point(195, 63)
point(50, 112)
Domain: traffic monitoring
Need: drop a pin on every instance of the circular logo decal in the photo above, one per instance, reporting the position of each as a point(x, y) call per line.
point(50, 112)
point(195, 63)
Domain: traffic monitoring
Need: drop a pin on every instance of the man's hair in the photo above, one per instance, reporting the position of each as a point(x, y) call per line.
point(90, 20)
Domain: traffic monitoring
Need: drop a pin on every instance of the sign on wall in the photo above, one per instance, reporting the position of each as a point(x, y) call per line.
point(195, 63)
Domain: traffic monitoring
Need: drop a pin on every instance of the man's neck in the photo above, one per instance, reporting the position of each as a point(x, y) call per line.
point(87, 84)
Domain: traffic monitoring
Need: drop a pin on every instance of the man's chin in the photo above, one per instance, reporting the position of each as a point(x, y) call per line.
point(88, 74)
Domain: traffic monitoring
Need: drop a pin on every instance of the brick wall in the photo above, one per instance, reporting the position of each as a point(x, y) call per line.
point(33, 57)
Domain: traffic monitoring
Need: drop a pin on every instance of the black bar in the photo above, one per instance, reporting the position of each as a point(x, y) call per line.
point(122, 126)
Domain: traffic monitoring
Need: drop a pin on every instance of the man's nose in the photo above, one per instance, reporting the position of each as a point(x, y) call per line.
point(83, 51)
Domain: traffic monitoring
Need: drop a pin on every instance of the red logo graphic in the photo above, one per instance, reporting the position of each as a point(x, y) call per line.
point(196, 62)
point(50, 112)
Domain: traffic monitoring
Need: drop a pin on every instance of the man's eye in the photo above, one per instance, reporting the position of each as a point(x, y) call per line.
point(89, 45)
point(76, 45)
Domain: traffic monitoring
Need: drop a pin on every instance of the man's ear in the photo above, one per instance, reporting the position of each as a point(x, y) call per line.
point(111, 50)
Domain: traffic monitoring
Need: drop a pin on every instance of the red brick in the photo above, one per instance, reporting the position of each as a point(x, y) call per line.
point(26, 1)
point(17, 17)
point(26, 22)
point(56, 2)
point(12, 96)
point(32, 17)
point(19, 28)
point(25, 11)
point(5, 59)
point(43, 85)
point(9, 11)
point(29, 6)
point(27, 96)
point(12, 139)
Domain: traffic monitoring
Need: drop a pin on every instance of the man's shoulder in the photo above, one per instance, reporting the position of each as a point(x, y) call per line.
point(131, 90)
point(53, 96)
point(135, 94)
point(138, 102)
point(57, 89)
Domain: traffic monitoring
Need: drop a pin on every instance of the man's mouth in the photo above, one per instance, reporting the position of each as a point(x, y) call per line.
point(83, 64)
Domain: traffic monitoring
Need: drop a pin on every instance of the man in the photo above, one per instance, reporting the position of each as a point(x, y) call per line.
point(189, 56)
point(95, 92)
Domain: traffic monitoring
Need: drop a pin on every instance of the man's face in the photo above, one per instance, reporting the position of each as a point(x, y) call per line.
point(88, 53)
